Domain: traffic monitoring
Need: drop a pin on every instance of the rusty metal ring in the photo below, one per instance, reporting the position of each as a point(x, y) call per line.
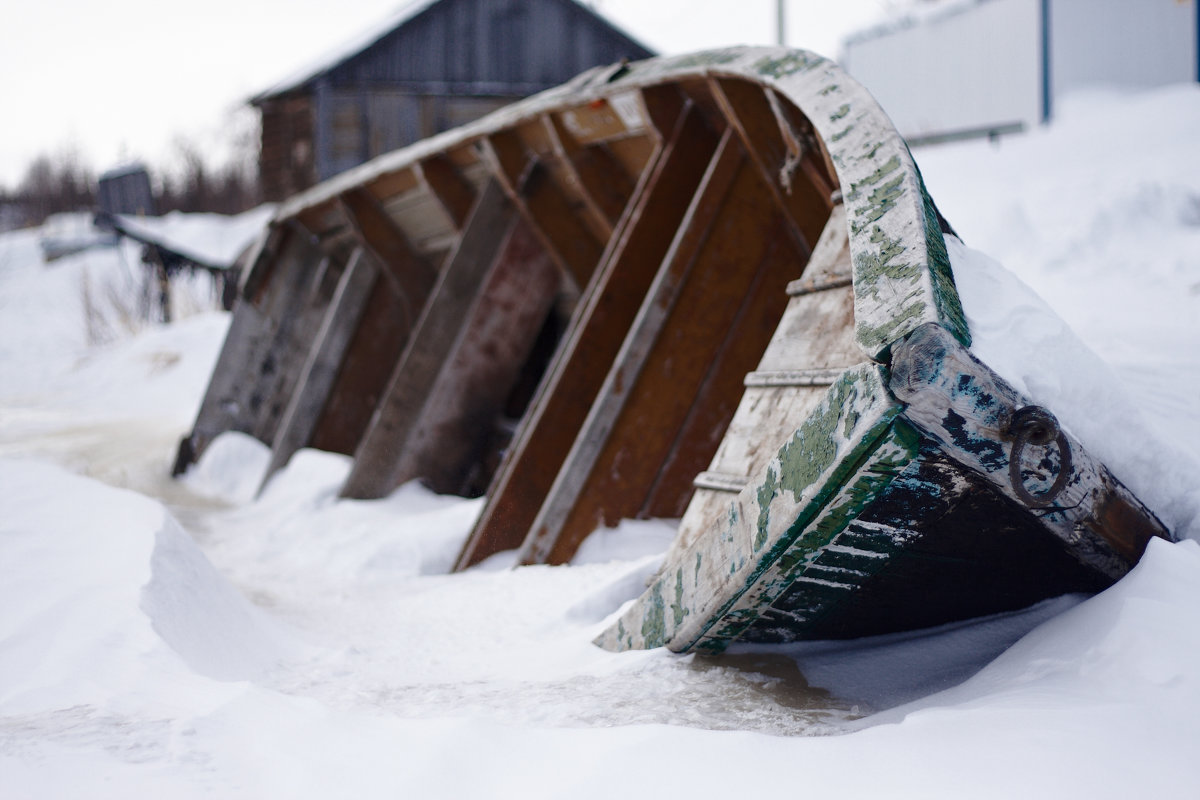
point(1036, 425)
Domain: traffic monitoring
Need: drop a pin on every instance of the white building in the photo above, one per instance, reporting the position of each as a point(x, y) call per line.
point(981, 67)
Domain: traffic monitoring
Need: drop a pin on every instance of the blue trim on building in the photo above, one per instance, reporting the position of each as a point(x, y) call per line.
point(1196, 10)
point(1047, 83)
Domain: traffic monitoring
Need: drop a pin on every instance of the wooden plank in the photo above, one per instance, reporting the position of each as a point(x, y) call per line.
point(603, 182)
point(410, 275)
point(745, 338)
point(545, 206)
point(607, 309)
point(456, 195)
point(363, 376)
point(465, 401)
point(830, 265)
point(247, 367)
point(262, 262)
point(291, 347)
point(749, 112)
point(804, 152)
point(765, 417)
point(592, 488)
point(316, 379)
point(374, 473)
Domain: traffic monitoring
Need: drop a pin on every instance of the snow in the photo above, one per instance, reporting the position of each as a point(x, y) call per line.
point(210, 239)
point(194, 638)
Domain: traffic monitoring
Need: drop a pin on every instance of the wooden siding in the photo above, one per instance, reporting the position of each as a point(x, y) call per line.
point(449, 65)
point(286, 160)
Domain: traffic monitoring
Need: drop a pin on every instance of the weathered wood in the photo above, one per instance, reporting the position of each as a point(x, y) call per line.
point(976, 417)
point(456, 195)
point(603, 182)
point(374, 472)
point(466, 398)
point(289, 351)
point(247, 368)
point(608, 308)
point(316, 379)
point(830, 266)
point(410, 275)
point(262, 262)
point(544, 206)
point(881, 515)
point(363, 375)
point(576, 505)
point(746, 106)
point(745, 337)
point(713, 590)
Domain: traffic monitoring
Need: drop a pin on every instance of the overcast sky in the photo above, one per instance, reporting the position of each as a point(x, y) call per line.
point(125, 79)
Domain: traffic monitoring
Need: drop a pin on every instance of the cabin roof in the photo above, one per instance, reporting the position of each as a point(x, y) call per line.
point(376, 36)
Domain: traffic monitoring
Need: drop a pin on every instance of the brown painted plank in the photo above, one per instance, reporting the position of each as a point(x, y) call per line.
point(469, 392)
point(606, 311)
point(316, 379)
point(447, 184)
point(595, 484)
point(374, 473)
point(363, 375)
point(596, 182)
point(744, 341)
point(545, 206)
point(749, 111)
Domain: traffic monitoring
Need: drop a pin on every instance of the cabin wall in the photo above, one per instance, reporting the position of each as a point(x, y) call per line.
point(451, 64)
point(287, 155)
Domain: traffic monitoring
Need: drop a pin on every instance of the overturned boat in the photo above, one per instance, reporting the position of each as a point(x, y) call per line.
point(710, 287)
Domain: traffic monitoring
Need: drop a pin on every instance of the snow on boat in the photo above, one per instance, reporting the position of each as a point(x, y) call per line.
point(710, 287)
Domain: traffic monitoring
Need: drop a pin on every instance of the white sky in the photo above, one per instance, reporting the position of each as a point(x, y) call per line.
point(125, 79)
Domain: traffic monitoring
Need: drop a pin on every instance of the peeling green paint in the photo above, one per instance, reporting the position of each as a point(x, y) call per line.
point(842, 134)
point(696, 576)
point(885, 169)
point(884, 265)
point(788, 64)
point(654, 623)
point(842, 111)
point(765, 494)
point(678, 610)
point(945, 293)
point(881, 200)
point(895, 327)
point(828, 90)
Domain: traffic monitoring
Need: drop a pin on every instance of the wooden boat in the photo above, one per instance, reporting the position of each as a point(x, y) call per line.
point(710, 287)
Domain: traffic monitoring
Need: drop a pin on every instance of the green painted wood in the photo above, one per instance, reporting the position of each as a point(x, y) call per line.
point(846, 450)
point(969, 410)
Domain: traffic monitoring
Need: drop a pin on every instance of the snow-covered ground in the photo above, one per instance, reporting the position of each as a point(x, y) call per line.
point(181, 639)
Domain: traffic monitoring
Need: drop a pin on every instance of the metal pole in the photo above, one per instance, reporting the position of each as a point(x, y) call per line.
point(780, 32)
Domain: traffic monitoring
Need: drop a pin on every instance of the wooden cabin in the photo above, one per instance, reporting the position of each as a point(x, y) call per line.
point(432, 67)
point(710, 287)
